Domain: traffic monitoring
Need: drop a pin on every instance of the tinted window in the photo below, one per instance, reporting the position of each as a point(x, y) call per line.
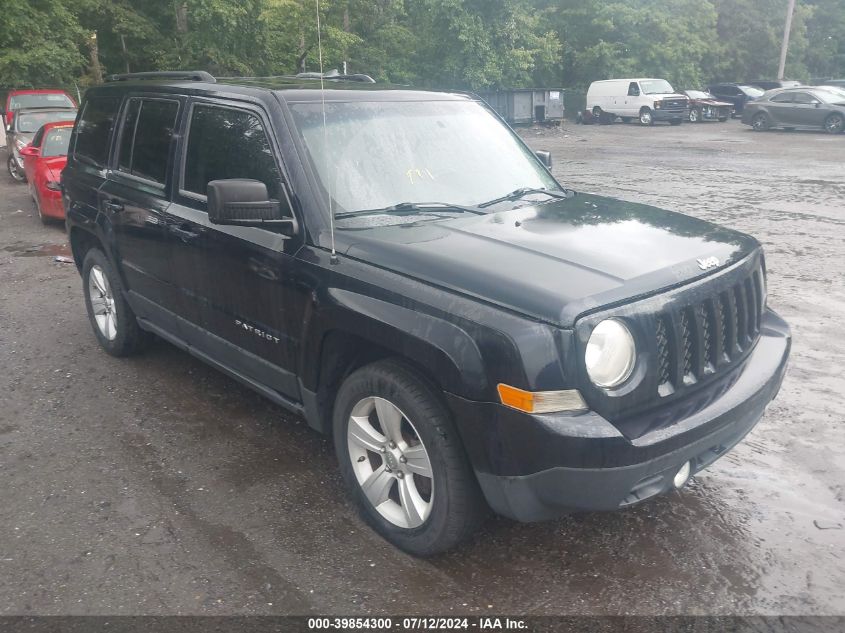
point(145, 139)
point(803, 97)
point(94, 130)
point(227, 143)
point(784, 97)
point(633, 89)
point(56, 141)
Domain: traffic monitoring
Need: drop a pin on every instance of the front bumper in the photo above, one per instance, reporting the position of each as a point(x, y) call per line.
point(659, 114)
point(538, 467)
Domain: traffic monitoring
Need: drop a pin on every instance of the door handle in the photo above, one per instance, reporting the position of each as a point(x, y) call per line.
point(112, 207)
point(184, 232)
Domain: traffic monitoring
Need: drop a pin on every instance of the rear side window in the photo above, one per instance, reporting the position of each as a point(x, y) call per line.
point(145, 139)
point(94, 130)
point(803, 97)
point(228, 143)
point(784, 97)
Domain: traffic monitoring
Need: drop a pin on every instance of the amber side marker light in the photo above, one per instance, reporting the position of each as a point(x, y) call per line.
point(541, 401)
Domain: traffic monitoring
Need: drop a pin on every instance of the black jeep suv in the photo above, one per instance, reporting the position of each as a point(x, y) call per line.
point(399, 268)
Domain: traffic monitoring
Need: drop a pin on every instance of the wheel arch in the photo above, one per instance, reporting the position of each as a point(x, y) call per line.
point(81, 241)
point(357, 330)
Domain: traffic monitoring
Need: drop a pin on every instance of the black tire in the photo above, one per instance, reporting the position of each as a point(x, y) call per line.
point(129, 338)
point(694, 115)
point(44, 219)
point(760, 122)
point(16, 174)
point(457, 506)
point(834, 123)
point(597, 112)
point(646, 117)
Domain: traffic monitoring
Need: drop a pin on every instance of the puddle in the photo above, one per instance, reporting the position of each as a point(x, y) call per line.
point(38, 250)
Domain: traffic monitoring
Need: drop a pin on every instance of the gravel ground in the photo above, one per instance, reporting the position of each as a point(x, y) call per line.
point(158, 486)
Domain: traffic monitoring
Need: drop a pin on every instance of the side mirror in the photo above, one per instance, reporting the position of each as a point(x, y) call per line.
point(244, 202)
point(545, 158)
point(29, 150)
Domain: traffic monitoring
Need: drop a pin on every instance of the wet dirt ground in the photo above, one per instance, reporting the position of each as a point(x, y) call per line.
point(158, 486)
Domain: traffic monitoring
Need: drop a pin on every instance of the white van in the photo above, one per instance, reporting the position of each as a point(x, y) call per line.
point(646, 99)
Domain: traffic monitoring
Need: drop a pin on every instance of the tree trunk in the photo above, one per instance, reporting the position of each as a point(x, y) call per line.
point(94, 52)
point(181, 17)
point(125, 56)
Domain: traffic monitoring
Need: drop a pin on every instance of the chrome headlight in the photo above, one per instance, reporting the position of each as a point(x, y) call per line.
point(610, 354)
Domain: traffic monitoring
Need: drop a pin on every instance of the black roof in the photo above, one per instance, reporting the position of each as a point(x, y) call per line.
point(291, 89)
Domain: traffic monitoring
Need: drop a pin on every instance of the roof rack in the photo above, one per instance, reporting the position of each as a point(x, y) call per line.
point(334, 75)
point(190, 75)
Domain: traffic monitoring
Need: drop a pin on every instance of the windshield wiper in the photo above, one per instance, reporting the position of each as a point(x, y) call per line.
point(410, 208)
point(516, 194)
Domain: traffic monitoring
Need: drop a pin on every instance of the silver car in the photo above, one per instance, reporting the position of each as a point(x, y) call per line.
point(23, 127)
point(806, 107)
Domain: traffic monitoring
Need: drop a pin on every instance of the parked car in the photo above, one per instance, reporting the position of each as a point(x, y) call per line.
point(399, 268)
point(43, 161)
point(790, 108)
point(774, 84)
point(22, 99)
point(837, 83)
point(22, 130)
point(736, 94)
point(648, 100)
point(705, 107)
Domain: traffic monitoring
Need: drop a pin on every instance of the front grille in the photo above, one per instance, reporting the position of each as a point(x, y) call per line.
point(701, 339)
point(674, 104)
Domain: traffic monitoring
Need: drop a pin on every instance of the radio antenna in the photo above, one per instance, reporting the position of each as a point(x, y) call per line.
point(325, 132)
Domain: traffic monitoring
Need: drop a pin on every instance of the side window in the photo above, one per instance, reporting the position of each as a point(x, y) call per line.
point(633, 89)
point(94, 130)
point(36, 140)
point(145, 139)
point(803, 97)
point(228, 143)
point(784, 97)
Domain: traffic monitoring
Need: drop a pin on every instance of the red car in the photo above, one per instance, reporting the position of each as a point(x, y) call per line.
point(17, 99)
point(43, 161)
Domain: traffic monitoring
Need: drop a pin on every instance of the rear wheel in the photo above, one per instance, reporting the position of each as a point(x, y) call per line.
point(112, 320)
point(646, 117)
point(834, 124)
point(760, 122)
point(402, 460)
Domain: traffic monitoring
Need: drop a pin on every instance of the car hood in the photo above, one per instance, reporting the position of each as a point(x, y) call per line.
point(552, 261)
point(667, 95)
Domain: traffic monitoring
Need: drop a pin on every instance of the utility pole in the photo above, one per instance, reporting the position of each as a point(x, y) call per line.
point(786, 29)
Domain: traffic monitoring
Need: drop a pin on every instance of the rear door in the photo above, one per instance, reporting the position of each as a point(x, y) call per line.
point(135, 199)
point(236, 282)
point(780, 108)
point(88, 156)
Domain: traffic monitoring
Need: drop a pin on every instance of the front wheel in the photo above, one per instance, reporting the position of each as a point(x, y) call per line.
point(402, 460)
point(694, 115)
point(760, 122)
point(113, 321)
point(646, 117)
point(834, 123)
point(14, 171)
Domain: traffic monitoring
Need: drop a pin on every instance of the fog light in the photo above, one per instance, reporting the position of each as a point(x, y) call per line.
point(682, 476)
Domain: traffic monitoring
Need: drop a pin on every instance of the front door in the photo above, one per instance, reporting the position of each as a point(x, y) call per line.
point(236, 283)
point(807, 110)
point(135, 200)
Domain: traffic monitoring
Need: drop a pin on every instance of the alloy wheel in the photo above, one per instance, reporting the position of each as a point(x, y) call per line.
point(645, 117)
point(760, 122)
point(834, 124)
point(693, 116)
point(14, 170)
point(390, 462)
point(102, 303)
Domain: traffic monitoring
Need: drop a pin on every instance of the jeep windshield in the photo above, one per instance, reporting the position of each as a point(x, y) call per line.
point(386, 156)
point(656, 87)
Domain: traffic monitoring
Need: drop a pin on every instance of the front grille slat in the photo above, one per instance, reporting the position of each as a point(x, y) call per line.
point(697, 340)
